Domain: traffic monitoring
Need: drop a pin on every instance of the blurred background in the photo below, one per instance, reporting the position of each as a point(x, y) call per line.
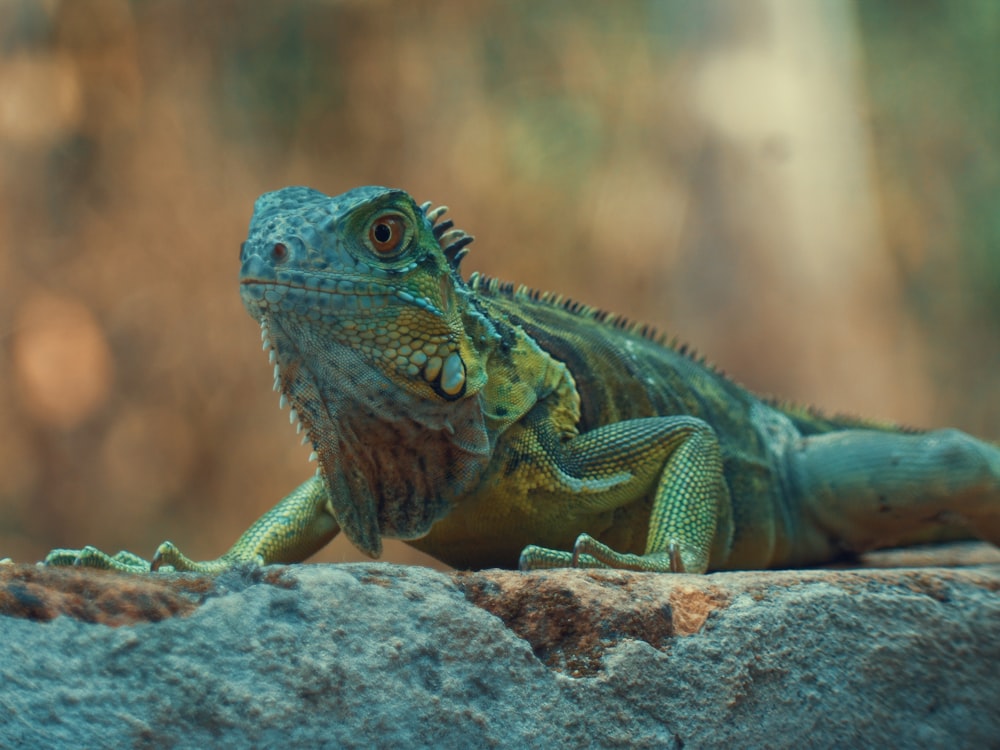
point(807, 190)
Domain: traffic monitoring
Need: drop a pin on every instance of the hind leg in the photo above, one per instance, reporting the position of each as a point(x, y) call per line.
point(864, 489)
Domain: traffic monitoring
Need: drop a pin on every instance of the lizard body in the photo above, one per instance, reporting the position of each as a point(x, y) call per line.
point(494, 426)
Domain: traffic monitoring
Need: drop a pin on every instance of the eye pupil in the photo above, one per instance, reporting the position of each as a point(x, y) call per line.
point(382, 232)
point(280, 251)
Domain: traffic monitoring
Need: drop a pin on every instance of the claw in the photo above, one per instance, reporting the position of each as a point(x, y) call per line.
point(166, 554)
point(674, 553)
point(580, 541)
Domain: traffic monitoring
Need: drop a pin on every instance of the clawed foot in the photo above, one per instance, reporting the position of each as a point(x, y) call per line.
point(91, 557)
point(168, 557)
point(166, 560)
point(590, 553)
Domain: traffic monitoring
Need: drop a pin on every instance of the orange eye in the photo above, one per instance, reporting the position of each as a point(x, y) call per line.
point(386, 234)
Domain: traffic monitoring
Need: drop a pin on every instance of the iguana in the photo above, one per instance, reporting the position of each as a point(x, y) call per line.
point(489, 425)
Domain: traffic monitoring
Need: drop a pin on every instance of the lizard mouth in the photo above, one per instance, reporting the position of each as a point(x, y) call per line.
point(338, 294)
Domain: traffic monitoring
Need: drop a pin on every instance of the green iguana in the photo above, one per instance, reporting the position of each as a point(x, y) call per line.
point(491, 426)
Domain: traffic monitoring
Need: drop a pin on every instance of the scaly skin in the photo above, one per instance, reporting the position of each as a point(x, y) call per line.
point(490, 426)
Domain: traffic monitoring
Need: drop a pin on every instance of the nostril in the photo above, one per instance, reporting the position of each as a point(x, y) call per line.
point(243, 249)
point(279, 253)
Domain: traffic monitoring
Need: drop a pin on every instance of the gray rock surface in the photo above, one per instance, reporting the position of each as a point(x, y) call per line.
point(376, 655)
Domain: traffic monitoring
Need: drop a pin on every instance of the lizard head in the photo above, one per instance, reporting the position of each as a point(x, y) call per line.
point(368, 269)
point(362, 311)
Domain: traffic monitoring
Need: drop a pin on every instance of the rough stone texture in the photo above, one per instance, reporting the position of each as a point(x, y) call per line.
point(94, 596)
point(368, 655)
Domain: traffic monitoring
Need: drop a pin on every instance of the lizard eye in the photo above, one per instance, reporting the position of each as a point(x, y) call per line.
point(279, 252)
point(386, 234)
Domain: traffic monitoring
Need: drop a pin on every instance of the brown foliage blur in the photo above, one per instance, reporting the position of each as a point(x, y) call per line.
point(808, 191)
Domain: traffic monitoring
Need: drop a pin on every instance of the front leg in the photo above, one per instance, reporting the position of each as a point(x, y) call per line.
point(677, 460)
point(294, 529)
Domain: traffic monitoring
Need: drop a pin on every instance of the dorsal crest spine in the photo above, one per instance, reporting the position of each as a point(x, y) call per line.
point(454, 242)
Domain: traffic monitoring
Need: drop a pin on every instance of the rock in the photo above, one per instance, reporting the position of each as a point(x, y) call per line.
point(366, 655)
